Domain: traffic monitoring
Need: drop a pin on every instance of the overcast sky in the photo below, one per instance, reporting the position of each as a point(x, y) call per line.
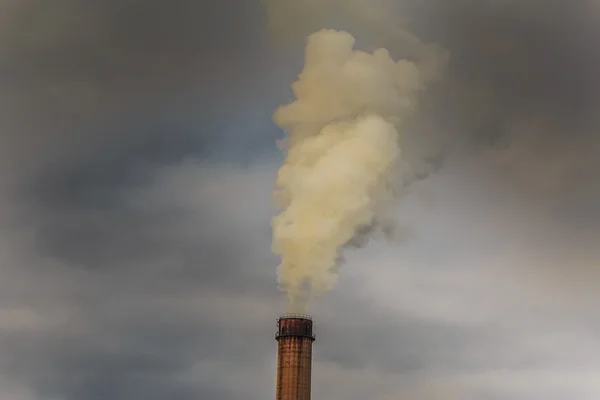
point(137, 157)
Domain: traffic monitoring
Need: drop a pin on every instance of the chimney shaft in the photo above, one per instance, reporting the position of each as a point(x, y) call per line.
point(294, 357)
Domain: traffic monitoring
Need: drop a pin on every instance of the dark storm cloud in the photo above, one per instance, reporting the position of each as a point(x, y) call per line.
point(522, 92)
point(524, 59)
point(97, 96)
point(523, 62)
point(79, 79)
point(103, 295)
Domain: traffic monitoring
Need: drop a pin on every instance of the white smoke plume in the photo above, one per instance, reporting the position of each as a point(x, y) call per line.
point(343, 155)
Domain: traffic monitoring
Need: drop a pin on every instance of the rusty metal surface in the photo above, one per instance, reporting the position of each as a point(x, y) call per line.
point(294, 358)
point(294, 326)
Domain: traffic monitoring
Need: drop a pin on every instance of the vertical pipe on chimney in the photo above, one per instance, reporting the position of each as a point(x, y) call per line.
point(294, 357)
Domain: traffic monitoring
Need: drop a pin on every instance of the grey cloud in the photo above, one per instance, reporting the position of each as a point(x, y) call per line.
point(118, 80)
point(131, 312)
point(181, 322)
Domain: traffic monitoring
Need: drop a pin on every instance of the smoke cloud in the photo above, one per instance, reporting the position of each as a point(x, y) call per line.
point(343, 161)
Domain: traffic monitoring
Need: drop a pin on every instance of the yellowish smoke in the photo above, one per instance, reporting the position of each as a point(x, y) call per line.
point(342, 152)
point(378, 22)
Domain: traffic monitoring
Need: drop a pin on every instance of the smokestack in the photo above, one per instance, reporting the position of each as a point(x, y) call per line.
point(294, 357)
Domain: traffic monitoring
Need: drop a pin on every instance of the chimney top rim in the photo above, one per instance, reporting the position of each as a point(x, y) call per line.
point(294, 315)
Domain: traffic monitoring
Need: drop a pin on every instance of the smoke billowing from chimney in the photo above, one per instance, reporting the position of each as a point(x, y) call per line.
point(343, 161)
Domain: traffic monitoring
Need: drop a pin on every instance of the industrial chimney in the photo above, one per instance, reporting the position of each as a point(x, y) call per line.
point(294, 357)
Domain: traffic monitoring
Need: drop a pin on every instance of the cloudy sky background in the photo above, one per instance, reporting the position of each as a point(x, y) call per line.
point(137, 156)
